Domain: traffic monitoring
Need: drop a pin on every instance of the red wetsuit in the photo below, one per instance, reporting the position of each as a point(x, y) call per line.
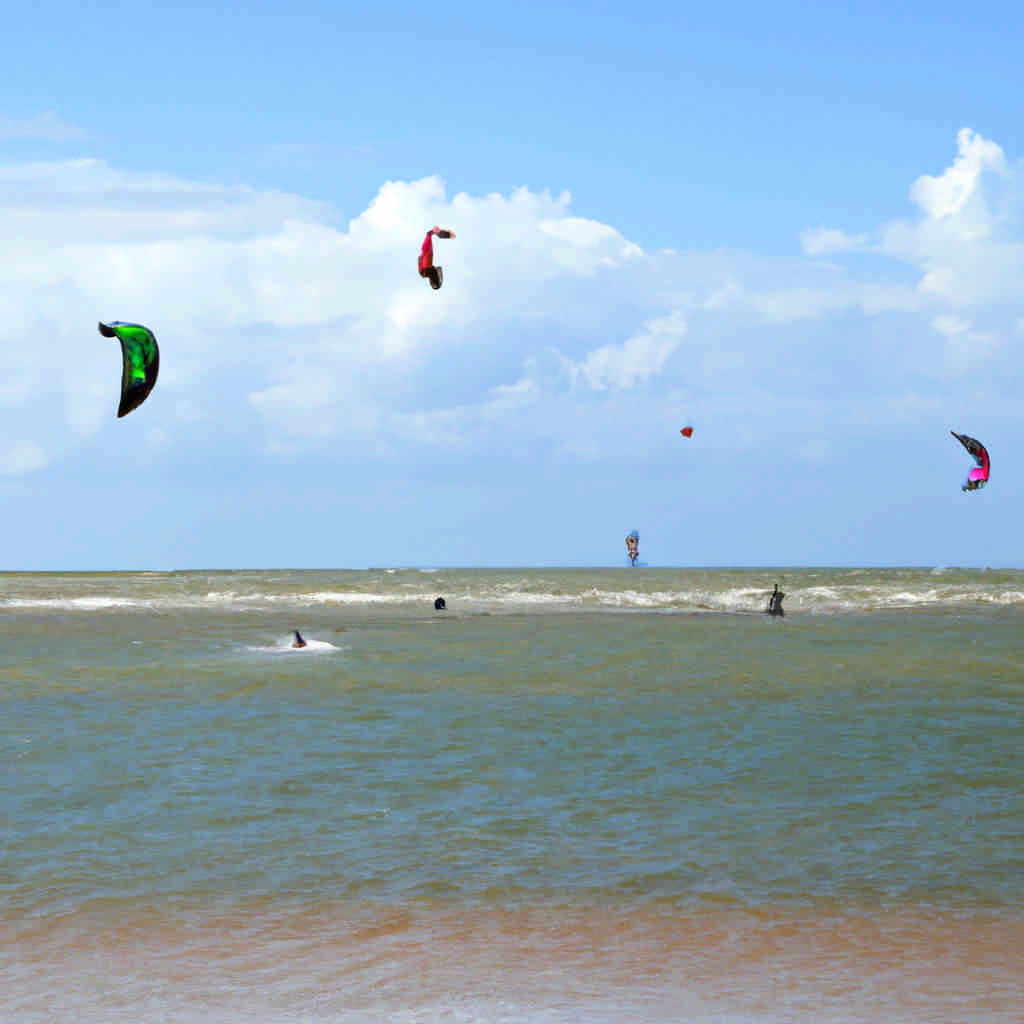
point(427, 252)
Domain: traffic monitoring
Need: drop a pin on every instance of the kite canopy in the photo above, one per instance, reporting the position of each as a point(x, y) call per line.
point(140, 362)
point(978, 476)
point(687, 431)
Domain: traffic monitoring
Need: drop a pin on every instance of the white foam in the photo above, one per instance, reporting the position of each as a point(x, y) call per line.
point(535, 591)
point(286, 647)
point(87, 604)
point(736, 599)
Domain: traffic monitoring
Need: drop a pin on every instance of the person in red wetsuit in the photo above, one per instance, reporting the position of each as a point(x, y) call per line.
point(427, 269)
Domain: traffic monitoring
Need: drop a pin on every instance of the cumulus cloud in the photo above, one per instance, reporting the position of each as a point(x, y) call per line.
point(950, 195)
point(637, 359)
point(287, 328)
point(963, 243)
point(320, 328)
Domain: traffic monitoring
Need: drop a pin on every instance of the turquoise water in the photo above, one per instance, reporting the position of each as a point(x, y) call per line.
point(574, 795)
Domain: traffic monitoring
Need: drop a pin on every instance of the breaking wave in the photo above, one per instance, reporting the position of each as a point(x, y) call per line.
point(525, 591)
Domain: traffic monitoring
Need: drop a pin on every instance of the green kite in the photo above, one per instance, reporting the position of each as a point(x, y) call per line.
point(141, 358)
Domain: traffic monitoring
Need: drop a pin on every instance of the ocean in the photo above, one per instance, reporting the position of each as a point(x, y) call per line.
point(586, 796)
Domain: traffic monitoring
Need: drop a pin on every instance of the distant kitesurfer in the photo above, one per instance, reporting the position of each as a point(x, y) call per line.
point(633, 547)
point(426, 262)
point(439, 604)
point(775, 602)
point(298, 641)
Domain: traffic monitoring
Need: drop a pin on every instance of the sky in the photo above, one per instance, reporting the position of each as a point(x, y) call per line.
point(799, 231)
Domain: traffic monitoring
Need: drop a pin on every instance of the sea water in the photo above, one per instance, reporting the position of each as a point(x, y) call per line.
point(572, 796)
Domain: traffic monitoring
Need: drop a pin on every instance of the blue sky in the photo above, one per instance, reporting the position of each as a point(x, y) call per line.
point(800, 231)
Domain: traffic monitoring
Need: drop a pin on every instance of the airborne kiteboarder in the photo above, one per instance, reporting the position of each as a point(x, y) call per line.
point(426, 263)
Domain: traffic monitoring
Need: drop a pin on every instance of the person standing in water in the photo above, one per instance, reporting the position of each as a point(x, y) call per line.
point(298, 641)
point(775, 602)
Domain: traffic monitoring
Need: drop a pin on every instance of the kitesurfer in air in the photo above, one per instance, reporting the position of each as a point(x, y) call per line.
point(426, 263)
point(298, 641)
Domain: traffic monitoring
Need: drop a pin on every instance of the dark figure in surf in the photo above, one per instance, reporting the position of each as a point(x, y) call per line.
point(439, 604)
point(775, 602)
point(298, 641)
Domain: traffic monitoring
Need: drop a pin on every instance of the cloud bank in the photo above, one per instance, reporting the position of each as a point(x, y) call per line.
point(285, 329)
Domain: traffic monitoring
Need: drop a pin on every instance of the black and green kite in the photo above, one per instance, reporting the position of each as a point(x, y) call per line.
point(141, 358)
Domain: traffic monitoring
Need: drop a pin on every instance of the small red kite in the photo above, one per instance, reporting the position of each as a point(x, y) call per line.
point(687, 431)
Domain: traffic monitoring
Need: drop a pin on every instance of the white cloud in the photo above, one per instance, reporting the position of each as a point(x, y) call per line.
point(823, 241)
point(634, 361)
point(965, 244)
point(46, 125)
point(812, 301)
point(951, 326)
point(951, 194)
point(729, 293)
point(22, 457)
point(523, 392)
point(286, 328)
point(325, 328)
point(966, 349)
